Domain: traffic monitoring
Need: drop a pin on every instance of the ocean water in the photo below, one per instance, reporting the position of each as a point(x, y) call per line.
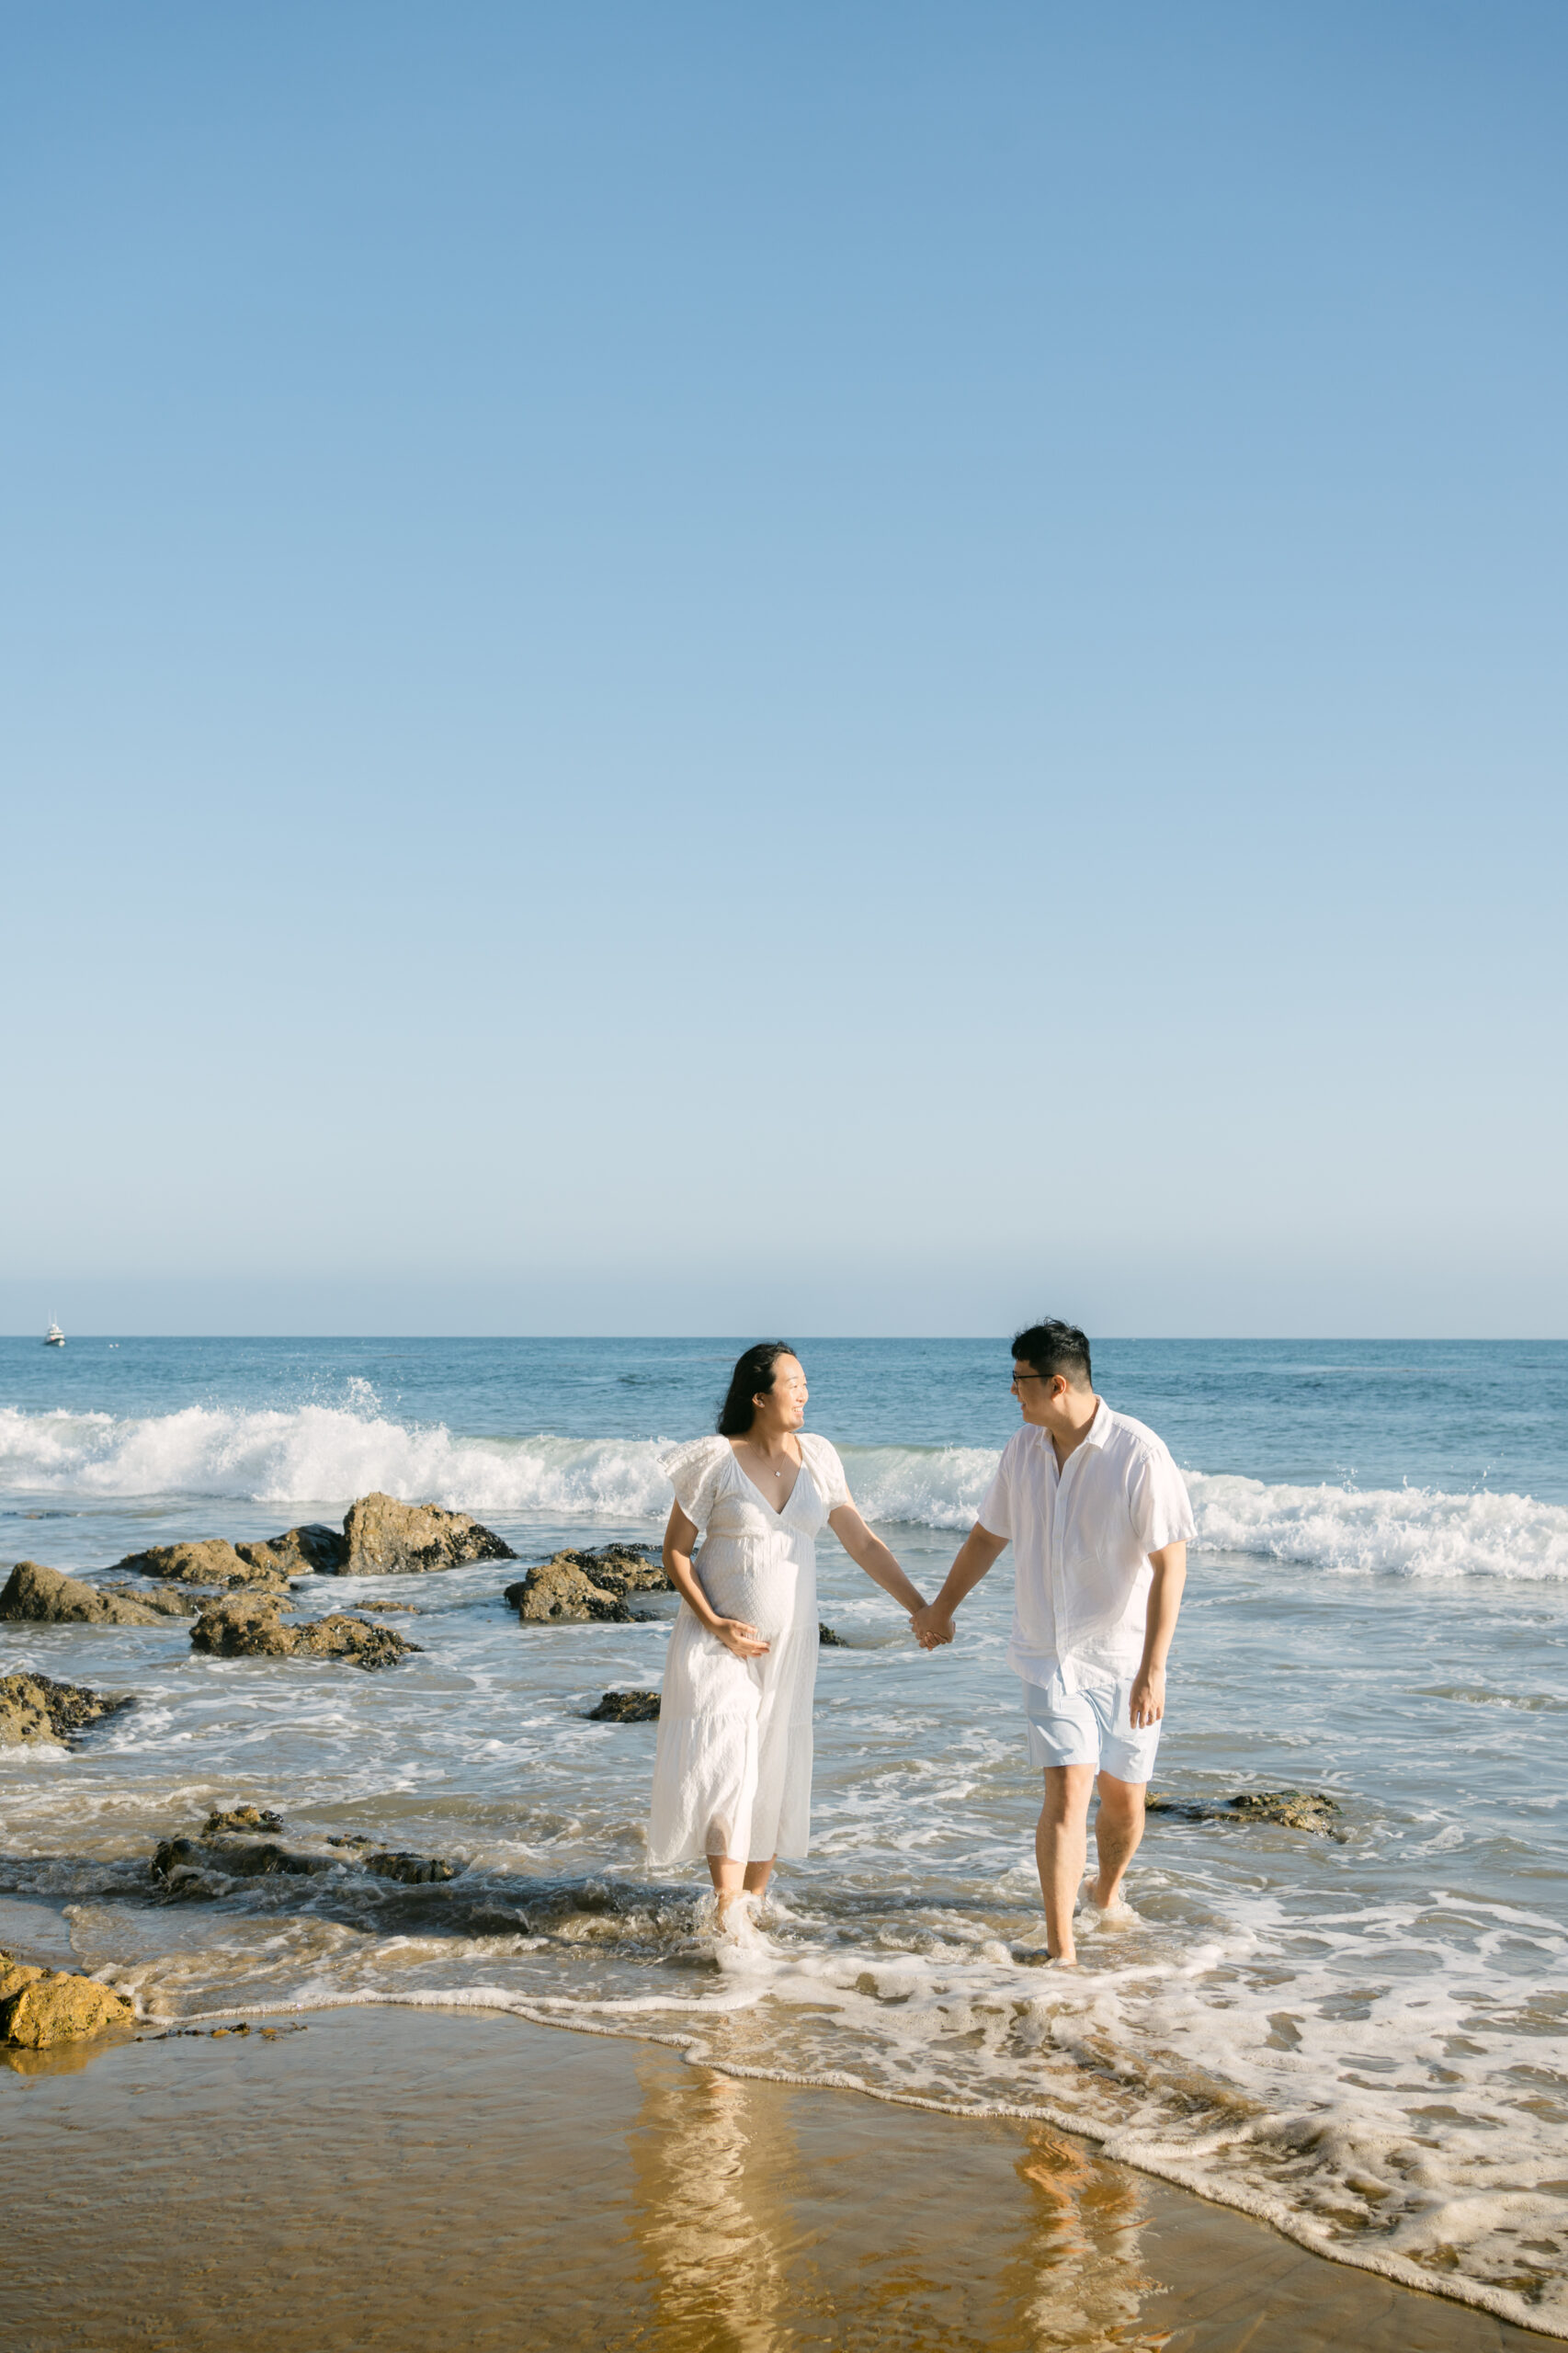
point(1363, 2040)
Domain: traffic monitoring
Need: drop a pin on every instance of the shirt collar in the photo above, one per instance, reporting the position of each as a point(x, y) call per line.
point(1099, 1428)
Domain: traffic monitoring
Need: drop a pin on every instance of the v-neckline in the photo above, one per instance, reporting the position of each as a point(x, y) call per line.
point(777, 1510)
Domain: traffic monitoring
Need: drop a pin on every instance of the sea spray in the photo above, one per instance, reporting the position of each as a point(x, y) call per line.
point(323, 1456)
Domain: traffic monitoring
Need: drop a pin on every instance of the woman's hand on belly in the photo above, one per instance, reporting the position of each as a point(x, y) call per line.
point(739, 1639)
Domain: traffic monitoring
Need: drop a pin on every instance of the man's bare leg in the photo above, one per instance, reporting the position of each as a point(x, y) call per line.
point(1061, 1843)
point(1119, 1827)
point(732, 1879)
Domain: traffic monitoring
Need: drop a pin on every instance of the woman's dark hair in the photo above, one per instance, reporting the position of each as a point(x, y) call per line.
point(753, 1377)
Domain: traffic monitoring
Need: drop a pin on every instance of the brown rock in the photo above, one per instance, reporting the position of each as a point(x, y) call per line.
point(312, 1548)
point(164, 1601)
point(13, 1975)
point(351, 1639)
point(241, 1818)
point(626, 1708)
point(247, 1628)
point(388, 1538)
point(579, 1585)
point(34, 1707)
point(213, 1562)
point(44, 1597)
point(58, 2006)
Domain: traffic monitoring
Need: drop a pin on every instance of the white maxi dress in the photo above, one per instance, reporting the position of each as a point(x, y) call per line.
point(733, 1769)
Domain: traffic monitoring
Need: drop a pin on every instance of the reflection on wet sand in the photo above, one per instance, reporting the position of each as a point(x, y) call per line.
point(425, 2181)
point(770, 2221)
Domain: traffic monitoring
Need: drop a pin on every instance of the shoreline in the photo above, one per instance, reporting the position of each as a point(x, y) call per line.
point(402, 2175)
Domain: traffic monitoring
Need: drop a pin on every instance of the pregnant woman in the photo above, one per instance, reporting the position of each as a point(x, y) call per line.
point(733, 1771)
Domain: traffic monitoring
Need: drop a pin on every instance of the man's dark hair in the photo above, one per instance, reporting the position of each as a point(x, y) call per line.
point(1051, 1347)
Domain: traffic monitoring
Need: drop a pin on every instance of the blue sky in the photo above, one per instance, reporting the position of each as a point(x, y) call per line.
point(863, 668)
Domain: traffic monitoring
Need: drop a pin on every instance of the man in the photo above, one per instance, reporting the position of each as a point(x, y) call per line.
point(1098, 1517)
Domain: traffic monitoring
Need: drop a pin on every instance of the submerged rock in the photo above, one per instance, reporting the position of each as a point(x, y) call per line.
point(385, 1537)
point(41, 1597)
point(313, 1548)
point(34, 1707)
point(581, 1584)
point(213, 1562)
point(177, 1859)
point(626, 1708)
point(1291, 1809)
point(193, 1867)
point(414, 1871)
point(40, 2007)
point(252, 1629)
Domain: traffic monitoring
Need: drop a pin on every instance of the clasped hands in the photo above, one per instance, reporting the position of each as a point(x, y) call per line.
point(930, 1627)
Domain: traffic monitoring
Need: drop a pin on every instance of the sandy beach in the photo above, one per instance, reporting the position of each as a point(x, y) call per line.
point(391, 2177)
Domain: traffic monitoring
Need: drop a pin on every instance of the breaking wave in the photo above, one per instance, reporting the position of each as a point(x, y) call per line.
point(326, 1455)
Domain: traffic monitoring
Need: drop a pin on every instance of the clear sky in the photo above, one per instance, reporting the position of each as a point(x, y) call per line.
point(856, 668)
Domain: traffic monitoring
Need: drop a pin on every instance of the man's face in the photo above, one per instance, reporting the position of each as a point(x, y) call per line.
point(1037, 1392)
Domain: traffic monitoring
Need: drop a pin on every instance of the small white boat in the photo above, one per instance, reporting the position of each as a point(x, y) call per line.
point(54, 1338)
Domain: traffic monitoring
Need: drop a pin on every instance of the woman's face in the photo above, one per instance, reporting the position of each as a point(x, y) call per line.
point(785, 1401)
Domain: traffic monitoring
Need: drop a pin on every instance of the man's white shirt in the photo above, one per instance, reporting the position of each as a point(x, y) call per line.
point(1081, 1540)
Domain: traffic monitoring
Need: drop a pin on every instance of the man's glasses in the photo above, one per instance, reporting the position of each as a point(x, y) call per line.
point(1020, 1378)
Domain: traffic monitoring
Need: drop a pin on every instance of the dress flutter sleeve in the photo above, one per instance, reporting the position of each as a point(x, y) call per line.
point(695, 1472)
point(827, 1469)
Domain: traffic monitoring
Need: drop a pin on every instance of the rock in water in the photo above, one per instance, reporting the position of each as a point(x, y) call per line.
point(829, 1640)
point(388, 1538)
point(311, 1549)
point(1291, 1809)
point(351, 1639)
point(162, 1600)
point(580, 1584)
point(626, 1708)
point(34, 1707)
point(252, 1629)
point(54, 2006)
point(183, 1859)
point(44, 1597)
point(213, 1561)
point(243, 1629)
point(414, 1871)
point(241, 1818)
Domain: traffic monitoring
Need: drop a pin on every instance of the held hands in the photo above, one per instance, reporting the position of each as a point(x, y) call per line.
point(739, 1639)
point(931, 1629)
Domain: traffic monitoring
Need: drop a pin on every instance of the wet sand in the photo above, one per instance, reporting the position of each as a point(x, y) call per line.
point(395, 2179)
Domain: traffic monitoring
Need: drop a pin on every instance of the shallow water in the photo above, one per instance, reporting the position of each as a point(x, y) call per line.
point(1366, 2041)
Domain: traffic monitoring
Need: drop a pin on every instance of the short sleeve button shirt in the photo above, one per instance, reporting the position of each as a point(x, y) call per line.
point(1081, 1540)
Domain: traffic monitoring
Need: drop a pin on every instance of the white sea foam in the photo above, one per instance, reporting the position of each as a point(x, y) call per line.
point(325, 1454)
point(1407, 1531)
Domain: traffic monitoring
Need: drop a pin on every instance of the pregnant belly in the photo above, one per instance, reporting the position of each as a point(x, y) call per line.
point(766, 1587)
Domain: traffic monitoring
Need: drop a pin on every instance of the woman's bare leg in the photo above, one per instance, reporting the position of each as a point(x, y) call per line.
point(732, 1879)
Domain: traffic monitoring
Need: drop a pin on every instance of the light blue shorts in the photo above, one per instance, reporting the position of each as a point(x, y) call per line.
point(1089, 1728)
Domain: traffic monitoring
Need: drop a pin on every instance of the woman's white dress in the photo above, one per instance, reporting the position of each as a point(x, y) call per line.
point(732, 1769)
